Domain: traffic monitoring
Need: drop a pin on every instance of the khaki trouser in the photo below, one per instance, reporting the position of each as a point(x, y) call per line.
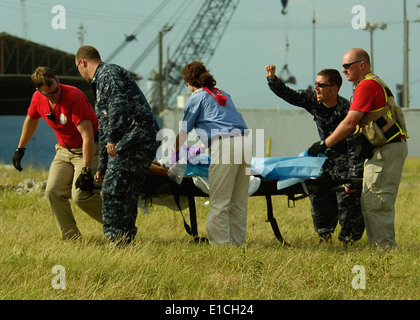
point(228, 191)
point(381, 179)
point(64, 171)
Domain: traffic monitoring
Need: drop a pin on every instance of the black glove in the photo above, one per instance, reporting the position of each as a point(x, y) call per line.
point(85, 181)
point(317, 147)
point(17, 157)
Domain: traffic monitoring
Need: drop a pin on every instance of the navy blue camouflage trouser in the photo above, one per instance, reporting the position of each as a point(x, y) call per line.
point(330, 208)
point(124, 180)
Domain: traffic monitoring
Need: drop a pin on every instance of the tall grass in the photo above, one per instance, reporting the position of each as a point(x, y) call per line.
point(164, 263)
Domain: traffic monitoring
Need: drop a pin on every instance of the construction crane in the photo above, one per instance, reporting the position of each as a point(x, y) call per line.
point(199, 42)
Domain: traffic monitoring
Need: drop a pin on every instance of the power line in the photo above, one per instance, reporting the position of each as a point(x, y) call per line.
point(167, 27)
point(132, 36)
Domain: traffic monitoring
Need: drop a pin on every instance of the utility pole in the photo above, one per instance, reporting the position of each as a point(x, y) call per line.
point(24, 20)
point(81, 34)
point(313, 47)
point(167, 79)
point(160, 79)
point(371, 27)
point(161, 76)
point(406, 101)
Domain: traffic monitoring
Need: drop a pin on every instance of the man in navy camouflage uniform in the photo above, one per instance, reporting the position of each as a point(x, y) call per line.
point(328, 110)
point(127, 141)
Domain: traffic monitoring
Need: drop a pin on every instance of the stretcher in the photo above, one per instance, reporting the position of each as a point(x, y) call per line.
point(158, 183)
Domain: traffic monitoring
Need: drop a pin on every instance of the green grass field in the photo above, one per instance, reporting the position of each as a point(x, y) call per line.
point(164, 263)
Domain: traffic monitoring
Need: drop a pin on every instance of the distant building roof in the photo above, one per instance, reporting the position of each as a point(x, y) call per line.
point(18, 60)
point(19, 56)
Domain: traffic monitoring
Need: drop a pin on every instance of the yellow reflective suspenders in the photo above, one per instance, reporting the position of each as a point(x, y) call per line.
point(382, 125)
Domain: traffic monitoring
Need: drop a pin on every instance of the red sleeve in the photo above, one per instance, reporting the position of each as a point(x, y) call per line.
point(369, 95)
point(33, 110)
point(80, 110)
point(80, 107)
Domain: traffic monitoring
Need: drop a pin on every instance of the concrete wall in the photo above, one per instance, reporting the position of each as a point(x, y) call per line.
point(293, 131)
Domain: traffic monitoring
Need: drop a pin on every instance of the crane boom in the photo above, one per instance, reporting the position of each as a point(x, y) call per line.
point(200, 41)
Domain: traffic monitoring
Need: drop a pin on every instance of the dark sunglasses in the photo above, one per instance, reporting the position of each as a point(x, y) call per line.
point(348, 65)
point(52, 93)
point(323, 85)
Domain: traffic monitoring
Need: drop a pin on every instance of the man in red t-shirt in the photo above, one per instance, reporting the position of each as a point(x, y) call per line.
point(383, 170)
point(68, 112)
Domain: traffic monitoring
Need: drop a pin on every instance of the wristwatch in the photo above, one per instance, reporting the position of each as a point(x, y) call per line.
point(86, 170)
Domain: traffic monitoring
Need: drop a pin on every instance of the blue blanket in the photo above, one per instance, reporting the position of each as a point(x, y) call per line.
point(286, 170)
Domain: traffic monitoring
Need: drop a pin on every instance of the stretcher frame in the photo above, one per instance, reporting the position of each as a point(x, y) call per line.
point(161, 184)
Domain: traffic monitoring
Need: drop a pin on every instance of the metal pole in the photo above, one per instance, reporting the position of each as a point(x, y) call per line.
point(372, 26)
point(313, 35)
point(406, 101)
point(371, 48)
point(167, 79)
point(160, 77)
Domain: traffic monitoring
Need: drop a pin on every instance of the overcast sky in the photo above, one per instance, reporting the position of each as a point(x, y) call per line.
point(257, 35)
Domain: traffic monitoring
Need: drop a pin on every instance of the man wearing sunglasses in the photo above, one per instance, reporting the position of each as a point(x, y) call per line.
point(383, 168)
point(328, 110)
point(68, 112)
